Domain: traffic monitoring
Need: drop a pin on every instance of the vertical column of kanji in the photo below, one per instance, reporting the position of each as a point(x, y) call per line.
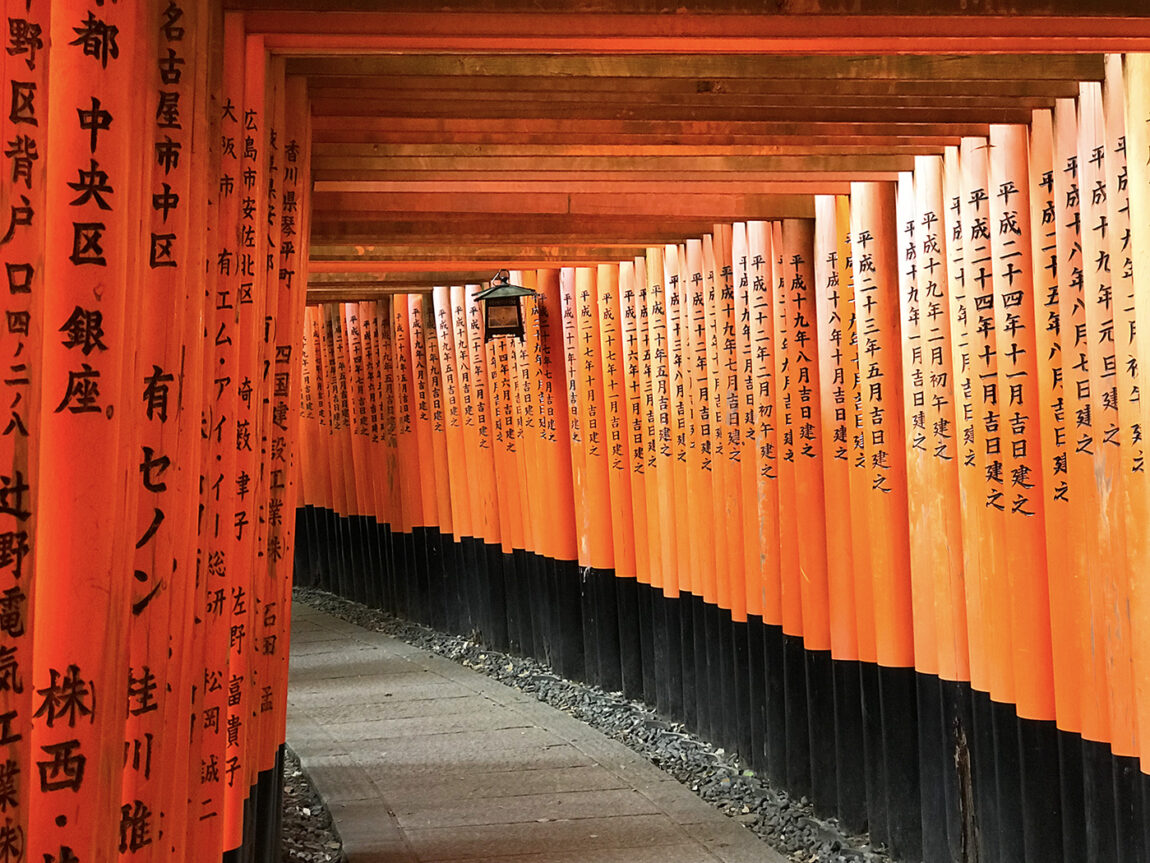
point(631, 411)
point(978, 309)
point(369, 316)
point(919, 489)
point(217, 484)
point(272, 476)
point(727, 397)
point(1019, 410)
point(1017, 373)
point(875, 274)
point(1099, 443)
point(638, 362)
point(250, 304)
point(615, 435)
point(469, 440)
point(789, 578)
point(798, 254)
point(359, 426)
point(156, 763)
point(922, 506)
point(674, 265)
point(698, 503)
point(425, 460)
point(406, 448)
point(521, 596)
point(795, 765)
point(1126, 391)
point(23, 102)
point(309, 494)
point(503, 454)
point(286, 432)
point(971, 507)
point(1137, 82)
point(461, 516)
point(1044, 225)
point(766, 456)
point(600, 550)
point(484, 484)
point(24, 114)
point(661, 406)
point(838, 359)
point(712, 288)
point(78, 673)
point(659, 537)
point(935, 330)
point(1076, 468)
point(389, 481)
point(745, 405)
point(874, 247)
point(523, 412)
point(439, 464)
point(835, 406)
point(555, 458)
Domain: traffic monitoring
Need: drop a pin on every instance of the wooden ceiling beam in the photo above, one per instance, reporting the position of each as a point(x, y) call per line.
point(827, 19)
point(939, 88)
point(607, 130)
point(388, 98)
point(342, 228)
point(639, 112)
point(567, 165)
point(508, 250)
point(987, 67)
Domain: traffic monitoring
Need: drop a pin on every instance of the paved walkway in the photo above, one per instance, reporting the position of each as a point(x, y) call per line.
point(422, 760)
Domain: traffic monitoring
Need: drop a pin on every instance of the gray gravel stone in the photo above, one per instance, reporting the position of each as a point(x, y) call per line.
point(788, 825)
point(308, 833)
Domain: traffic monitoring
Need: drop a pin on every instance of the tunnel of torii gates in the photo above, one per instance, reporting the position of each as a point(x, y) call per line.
point(846, 473)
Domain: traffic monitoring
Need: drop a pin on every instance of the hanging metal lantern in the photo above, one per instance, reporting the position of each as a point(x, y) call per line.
point(502, 311)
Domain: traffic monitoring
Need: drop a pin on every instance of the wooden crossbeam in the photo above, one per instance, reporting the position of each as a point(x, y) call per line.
point(989, 67)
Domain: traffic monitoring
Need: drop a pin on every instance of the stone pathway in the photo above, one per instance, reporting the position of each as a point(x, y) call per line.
point(421, 760)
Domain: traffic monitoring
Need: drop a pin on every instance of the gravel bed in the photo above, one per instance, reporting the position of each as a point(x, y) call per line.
point(308, 833)
point(788, 825)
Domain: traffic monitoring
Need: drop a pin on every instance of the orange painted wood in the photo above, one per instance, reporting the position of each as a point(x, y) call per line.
point(749, 461)
point(554, 434)
point(436, 409)
point(876, 303)
point(646, 268)
point(730, 504)
point(616, 427)
point(1044, 229)
point(452, 408)
point(700, 495)
point(760, 310)
point(21, 393)
point(660, 411)
point(1018, 404)
point(945, 554)
point(790, 577)
point(800, 287)
point(979, 271)
point(1124, 732)
point(597, 540)
point(834, 312)
point(527, 439)
point(632, 284)
point(920, 492)
point(713, 286)
point(1137, 79)
point(674, 279)
point(1102, 292)
point(569, 294)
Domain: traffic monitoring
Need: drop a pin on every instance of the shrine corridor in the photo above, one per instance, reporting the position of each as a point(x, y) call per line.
point(816, 423)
